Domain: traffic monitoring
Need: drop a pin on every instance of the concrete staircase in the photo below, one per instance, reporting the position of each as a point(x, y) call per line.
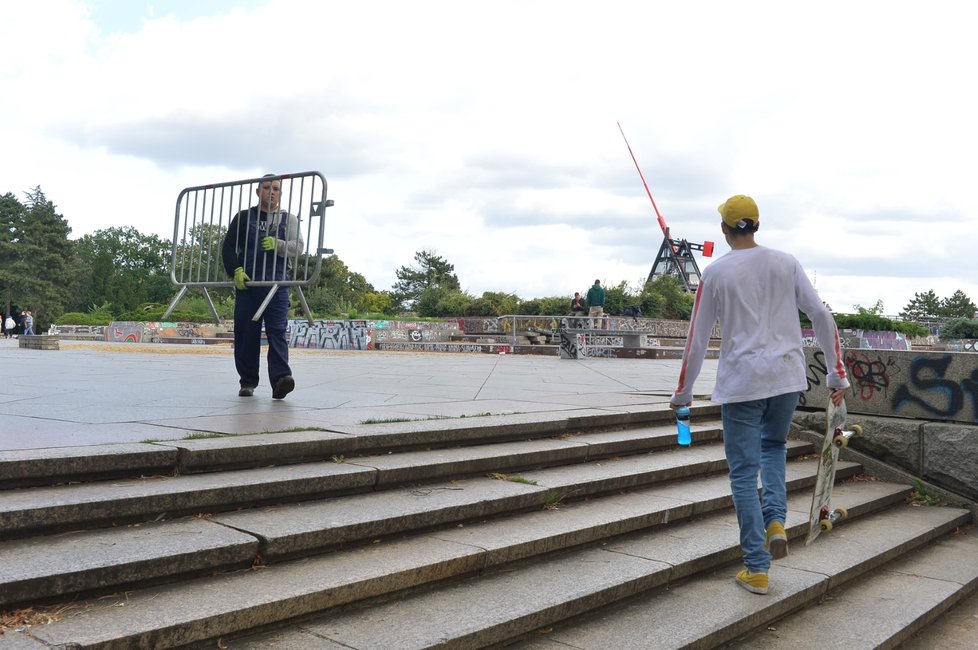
point(544, 531)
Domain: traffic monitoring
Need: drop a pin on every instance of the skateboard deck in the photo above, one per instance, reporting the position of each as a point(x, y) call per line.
point(822, 516)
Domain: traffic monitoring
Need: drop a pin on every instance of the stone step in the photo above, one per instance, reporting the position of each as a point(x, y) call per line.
point(49, 509)
point(510, 601)
point(708, 610)
point(508, 549)
point(48, 566)
point(34, 467)
point(911, 592)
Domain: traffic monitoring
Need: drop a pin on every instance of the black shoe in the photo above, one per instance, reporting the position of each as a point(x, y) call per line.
point(283, 387)
point(246, 391)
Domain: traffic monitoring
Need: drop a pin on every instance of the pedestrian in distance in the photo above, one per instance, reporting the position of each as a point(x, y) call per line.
point(578, 307)
point(259, 243)
point(595, 301)
point(755, 294)
point(9, 326)
point(27, 322)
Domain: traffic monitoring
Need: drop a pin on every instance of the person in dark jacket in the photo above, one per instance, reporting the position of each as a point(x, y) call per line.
point(578, 307)
point(595, 301)
point(258, 245)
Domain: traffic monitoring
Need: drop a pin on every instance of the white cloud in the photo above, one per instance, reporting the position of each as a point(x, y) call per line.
point(488, 131)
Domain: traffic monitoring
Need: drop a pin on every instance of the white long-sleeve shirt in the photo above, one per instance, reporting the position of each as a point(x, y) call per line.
point(755, 295)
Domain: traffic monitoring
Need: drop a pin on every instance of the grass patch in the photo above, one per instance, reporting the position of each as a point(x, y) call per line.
point(484, 414)
point(554, 501)
point(497, 476)
point(200, 435)
point(923, 497)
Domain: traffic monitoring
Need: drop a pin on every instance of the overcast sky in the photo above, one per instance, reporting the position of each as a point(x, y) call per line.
point(487, 131)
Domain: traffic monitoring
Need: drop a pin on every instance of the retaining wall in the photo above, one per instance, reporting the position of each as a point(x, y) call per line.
point(919, 411)
point(923, 385)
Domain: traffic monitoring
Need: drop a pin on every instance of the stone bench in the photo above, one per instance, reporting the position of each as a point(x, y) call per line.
point(573, 342)
point(39, 342)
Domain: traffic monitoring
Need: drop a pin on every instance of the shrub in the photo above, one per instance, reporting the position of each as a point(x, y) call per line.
point(79, 318)
point(959, 328)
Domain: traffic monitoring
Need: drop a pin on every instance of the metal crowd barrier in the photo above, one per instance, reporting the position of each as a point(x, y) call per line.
point(204, 214)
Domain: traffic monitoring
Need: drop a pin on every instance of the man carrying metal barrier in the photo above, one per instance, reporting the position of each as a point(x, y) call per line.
point(258, 246)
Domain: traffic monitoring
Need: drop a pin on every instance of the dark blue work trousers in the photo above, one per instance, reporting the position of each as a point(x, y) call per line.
point(247, 334)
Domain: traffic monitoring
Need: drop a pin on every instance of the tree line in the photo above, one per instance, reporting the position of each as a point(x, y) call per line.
point(122, 274)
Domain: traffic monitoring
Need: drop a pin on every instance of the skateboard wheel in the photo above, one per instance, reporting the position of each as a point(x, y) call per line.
point(841, 442)
point(825, 525)
point(842, 512)
point(856, 429)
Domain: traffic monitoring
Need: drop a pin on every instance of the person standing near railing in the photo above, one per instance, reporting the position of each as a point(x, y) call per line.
point(258, 245)
point(595, 301)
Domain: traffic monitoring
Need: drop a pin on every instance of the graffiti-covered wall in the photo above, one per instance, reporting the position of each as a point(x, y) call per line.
point(506, 325)
point(393, 331)
point(862, 339)
point(364, 334)
point(158, 332)
point(328, 334)
point(924, 385)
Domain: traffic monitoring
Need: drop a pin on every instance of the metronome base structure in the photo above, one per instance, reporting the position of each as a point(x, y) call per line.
point(676, 259)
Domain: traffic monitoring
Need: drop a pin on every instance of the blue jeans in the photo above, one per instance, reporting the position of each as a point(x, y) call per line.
point(247, 335)
point(755, 440)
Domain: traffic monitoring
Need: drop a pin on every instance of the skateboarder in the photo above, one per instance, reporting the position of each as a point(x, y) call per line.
point(755, 294)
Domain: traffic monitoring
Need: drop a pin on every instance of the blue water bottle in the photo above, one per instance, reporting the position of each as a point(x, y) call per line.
point(682, 424)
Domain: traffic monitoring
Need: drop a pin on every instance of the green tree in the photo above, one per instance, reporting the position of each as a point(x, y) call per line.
point(958, 306)
point(198, 254)
point(924, 306)
point(959, 328)
point(618, 297)
point(665, 298)
point(338, 290)
point(12, 216)
point(123, 268)
point(35, 256)
point(552, 306)
point(493, 303)
point(875, 310)
point(439, 302)
point(429, 271)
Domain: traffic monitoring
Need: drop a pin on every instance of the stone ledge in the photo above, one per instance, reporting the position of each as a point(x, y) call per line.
point(39, 342)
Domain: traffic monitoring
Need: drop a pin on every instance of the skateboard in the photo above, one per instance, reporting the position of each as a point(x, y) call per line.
point(823, 517)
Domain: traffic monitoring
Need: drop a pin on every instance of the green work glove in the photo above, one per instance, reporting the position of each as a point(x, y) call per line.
point(240, 277)
point(268, 243)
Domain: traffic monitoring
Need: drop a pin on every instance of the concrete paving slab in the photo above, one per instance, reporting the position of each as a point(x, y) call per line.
point(297, 528)
point(407, 466)
point(31, 467)
point(546, 530)
point(702, 613)
point(629, 440)
point(200, 609)
point(606, 473)
point(220, 606)
point(96, 393)
point(44, 567)
point(208, 454)
point(889, 606)
point(294, 637)
point(19, 641)
point(498, 606)
point(860, 545)
point(53, 508)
